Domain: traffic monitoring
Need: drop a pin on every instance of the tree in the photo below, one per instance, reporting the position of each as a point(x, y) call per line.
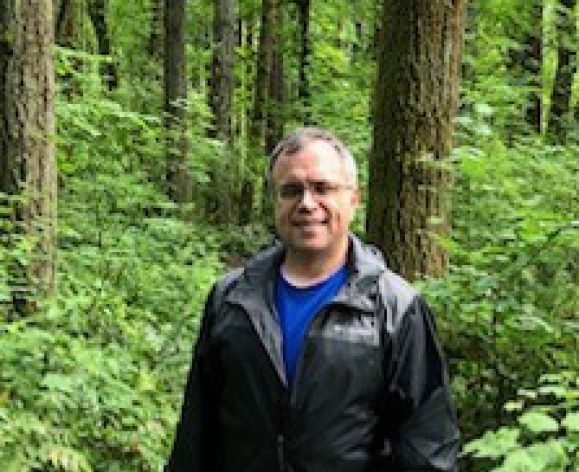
point(155, 44)
point(27, 161)
point(415, 101)
point(67, 23)
point(526, 57)
point(97, 13)
point(274, 124)
point(258, 112)
point(221, 102)
point(175, 74)
point(566, 68)
point(304, 61)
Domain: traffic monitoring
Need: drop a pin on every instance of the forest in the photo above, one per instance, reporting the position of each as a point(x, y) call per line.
point(134, 138)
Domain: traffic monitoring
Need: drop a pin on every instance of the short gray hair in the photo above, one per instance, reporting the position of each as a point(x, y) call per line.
point(298, 139)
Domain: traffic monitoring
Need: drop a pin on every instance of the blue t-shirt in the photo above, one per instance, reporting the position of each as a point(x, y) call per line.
point(297, 307)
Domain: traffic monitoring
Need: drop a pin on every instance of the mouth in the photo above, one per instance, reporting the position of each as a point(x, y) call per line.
point(310, 227)
point(309, 223)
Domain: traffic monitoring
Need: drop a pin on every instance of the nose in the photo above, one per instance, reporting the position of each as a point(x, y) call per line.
point(307, 200)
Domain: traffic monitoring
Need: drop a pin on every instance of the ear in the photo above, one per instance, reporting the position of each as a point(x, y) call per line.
point(356, 197)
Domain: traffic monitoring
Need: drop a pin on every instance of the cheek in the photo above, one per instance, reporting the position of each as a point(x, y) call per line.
point(281, 216)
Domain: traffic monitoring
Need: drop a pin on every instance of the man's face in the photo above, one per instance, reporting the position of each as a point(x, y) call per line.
point(315, 199)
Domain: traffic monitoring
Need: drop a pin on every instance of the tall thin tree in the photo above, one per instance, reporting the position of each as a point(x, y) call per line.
point(415, 101)
point(175, 74)
point(304, 61)
point(525, 61)
point(258, 110)
point(67, 24)
point(560, 116)
point(221, 102)
point(27, 160)
point(274, 125)
point(155, 44)
point(97, 11)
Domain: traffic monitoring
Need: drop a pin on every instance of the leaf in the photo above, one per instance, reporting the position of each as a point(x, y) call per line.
point(484, 109)
point(518, 461)
point(571, 421)
point(538, 422)
point(514, 406)
point(494, 444)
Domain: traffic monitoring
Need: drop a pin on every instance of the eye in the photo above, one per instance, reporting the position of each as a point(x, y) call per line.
point(323, 188)
point(290, 190)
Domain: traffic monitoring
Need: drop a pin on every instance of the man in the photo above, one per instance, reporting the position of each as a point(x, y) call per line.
point(315, 357)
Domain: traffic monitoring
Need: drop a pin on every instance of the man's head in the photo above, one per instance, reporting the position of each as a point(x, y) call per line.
point(314, 179)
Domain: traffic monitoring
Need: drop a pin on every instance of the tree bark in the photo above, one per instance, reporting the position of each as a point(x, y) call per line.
point(67, 24)
point(97, 13)
point(155, 46)
point(27, 127)
point(274, 124)
point(175, 73)
point(305, 52)
point(415, 100)
point(221, 103)
point(525, 64)
point(275, 118)
point(258, 111)
point(566, 67)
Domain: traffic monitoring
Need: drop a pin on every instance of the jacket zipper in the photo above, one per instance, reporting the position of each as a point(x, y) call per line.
point(299, 366)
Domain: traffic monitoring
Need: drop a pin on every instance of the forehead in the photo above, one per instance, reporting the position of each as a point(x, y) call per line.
point(315, 160)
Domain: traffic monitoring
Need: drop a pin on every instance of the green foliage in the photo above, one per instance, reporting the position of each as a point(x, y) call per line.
point(545, 436)
point(507, 307)
point(96, 382)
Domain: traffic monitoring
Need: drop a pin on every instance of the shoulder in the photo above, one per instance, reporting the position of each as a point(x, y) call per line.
point(224, 285)
point(400, 299)
point(397, 289)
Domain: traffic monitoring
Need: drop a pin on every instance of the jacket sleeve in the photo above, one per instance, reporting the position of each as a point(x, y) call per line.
point(420, 424)
point(193, 448)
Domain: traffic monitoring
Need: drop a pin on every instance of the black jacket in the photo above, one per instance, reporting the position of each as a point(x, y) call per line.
point(370, 394)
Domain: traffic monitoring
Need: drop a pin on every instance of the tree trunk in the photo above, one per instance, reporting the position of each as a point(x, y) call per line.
point(415, 100)
point(258, 111)
point(274, 124)
point(525, 65)
point(221, 102)
point(155, 46)
point(175, 72)
point(67, 24)
point(97, 12)
point(27, 161)
point(566, 67)
point(532, 64)
point(305, 52)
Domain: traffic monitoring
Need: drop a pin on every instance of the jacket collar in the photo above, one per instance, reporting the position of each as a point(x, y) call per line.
point(255, 292)
point(256, 286)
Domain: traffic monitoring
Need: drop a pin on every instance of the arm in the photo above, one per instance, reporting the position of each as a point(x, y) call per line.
point(193, 449)
point(422, 429)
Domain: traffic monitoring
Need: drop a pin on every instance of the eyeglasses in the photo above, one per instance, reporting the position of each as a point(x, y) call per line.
point(318, 188)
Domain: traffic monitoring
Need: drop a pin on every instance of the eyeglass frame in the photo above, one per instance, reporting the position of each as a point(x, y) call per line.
point(325, 189)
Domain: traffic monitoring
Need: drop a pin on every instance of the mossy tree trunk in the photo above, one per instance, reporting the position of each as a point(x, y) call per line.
point(27, 126)
point(560, 116)
point(97, 12)
point(415, 101)
point(304, 93)
point(524, 63)
point(221, 206)
point(178, 179)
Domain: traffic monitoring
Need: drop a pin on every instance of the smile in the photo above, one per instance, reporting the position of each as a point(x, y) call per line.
point(309, 223)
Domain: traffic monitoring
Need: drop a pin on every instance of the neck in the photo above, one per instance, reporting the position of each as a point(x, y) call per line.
point(302, 268)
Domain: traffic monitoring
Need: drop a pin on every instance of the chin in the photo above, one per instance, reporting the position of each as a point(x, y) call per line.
point(310, 246)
